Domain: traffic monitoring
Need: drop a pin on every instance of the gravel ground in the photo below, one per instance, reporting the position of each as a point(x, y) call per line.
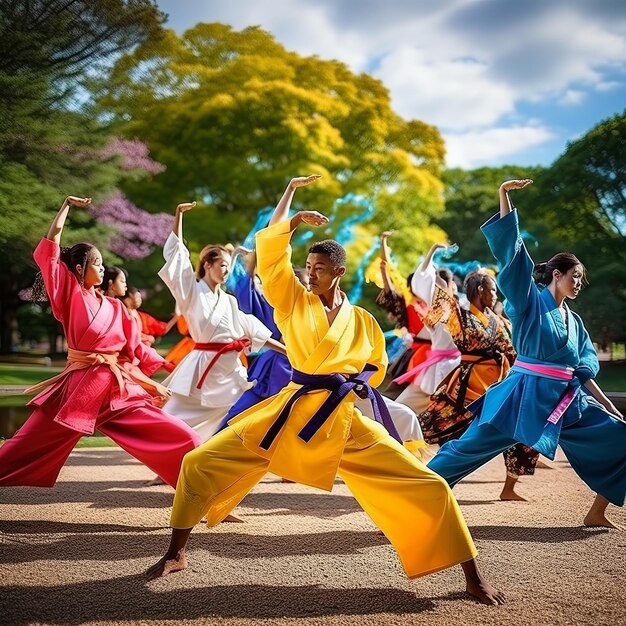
point(75, 554)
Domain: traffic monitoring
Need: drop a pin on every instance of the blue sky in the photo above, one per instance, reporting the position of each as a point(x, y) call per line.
point(505, 81)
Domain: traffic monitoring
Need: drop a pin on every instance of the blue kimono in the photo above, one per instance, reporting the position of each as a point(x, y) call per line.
point(270, 369)
point(517, 408)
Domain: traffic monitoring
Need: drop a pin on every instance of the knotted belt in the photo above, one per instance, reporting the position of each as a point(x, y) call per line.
point(237, 345)
point(79, 359)
point(555, 371)
point(340, 386)
point(475, 357)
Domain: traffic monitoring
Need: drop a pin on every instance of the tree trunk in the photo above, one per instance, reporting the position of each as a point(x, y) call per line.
point(9, 319)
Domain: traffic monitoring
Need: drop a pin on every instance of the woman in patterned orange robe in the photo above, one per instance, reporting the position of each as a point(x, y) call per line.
point(487, 354)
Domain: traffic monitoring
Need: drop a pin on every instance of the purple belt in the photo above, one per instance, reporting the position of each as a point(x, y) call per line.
point(339, 386)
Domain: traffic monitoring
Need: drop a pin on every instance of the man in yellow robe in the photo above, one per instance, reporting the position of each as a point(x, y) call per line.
point(311, 431)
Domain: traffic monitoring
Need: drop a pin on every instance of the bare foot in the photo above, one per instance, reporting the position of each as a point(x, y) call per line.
point(510, 494)
point(167, 566)
point(484, 592)
point(594, 519)
point(234, 519)
point(157, 480)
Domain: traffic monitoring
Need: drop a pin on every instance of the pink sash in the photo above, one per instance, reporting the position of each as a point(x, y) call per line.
point(559, 372)
point(434, 357)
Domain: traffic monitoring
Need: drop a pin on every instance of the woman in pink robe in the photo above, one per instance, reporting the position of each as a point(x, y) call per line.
point(105, 384)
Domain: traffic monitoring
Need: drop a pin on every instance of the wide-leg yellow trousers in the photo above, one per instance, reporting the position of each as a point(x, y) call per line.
point(413, 506)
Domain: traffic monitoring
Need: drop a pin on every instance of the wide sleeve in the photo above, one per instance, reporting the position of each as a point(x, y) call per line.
point(441, 309)
point(423, 284)
point(378, 357)
point(242, 288)
point(151, 325)
point(516, 275)
point(57, 277)
point(394, 303)
point(178, 273)
point(149, 360)
point(588, 365)
point(254, 329)
point(281, 287)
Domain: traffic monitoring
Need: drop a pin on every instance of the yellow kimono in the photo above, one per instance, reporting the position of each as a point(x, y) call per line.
point(412, 505)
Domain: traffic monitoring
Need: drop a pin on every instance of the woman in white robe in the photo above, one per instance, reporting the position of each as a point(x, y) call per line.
point(443, 356)
point(211, 378)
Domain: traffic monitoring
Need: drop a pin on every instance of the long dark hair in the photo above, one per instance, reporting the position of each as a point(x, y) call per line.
point(76, 255)
point(563, 261)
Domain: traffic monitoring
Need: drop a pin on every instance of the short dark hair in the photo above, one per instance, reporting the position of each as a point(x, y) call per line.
point(473, 281)
point(333, 250)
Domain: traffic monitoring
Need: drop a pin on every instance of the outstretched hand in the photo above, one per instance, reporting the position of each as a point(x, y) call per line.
point(185, 206)
point(303, 181)
point(312, 218)
point(77, 202)
point(516, 184)
point(386, 234)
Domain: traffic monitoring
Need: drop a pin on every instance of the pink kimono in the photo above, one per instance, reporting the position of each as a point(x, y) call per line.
point(104, 395)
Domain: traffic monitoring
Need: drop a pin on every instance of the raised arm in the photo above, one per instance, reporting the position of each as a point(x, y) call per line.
point(502, 233)
point(281, 212)
point(384, 260)
point(505, 202)
point(425, 264)
point(178, 273)
point(182, 208)
point(281, 288)
point(56, 228)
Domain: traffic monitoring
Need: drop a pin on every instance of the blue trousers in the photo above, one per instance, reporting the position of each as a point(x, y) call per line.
point(595, 446)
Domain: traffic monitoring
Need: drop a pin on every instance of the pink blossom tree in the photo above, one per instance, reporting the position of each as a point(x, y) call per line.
point(136, 232)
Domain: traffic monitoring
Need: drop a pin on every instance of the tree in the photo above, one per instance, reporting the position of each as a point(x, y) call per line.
point(583, 202)
point(471, 198)
point(233, 115)
point(48, 143)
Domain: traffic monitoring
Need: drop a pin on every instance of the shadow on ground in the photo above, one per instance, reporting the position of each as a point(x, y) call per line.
point(130, 598)
point(40, 543)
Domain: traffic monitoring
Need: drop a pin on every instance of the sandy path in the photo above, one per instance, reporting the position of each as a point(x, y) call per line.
point(75, 554)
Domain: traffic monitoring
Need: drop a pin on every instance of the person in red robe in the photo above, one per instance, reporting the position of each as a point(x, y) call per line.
point(105, 384)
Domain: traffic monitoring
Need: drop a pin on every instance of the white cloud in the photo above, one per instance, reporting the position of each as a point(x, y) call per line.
point(453, 94)
point(607, 85)
point(494, 145)
point(459, 64)
point(572, 97)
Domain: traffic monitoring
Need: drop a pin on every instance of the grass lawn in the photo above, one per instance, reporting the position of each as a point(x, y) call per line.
point(612, 376)
point(17, 374)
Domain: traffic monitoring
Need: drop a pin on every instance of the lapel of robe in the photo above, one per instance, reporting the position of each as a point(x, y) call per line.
point(560, 329)
point(328, 337)
point(218, 312)
point(100, 324)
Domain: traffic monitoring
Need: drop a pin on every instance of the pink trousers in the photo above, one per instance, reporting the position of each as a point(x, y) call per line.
point(35, 455)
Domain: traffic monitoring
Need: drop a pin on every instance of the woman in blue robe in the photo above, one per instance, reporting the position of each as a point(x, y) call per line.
point(549, 397)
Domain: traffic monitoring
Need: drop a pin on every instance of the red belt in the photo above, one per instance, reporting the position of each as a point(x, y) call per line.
point(237, 345)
